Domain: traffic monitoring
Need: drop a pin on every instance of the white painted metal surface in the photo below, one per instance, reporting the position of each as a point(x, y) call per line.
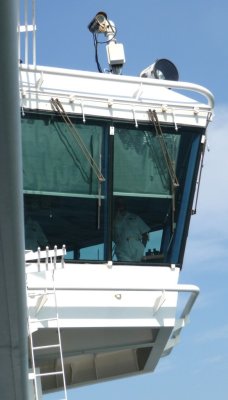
point(90, 297)
point(132, 308)
point(109, 314)
point(111, 96)
point(115, 320)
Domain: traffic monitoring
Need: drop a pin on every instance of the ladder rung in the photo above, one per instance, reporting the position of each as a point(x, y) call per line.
point(49, 291)
point(41, 294)
point(51, 346)
point(51, 373)
point(43, 320)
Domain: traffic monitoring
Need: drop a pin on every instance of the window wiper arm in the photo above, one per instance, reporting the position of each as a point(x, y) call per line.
point(154, 119)
point(57, 106)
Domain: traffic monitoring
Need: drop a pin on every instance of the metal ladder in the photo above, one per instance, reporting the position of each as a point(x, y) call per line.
point(50, 267)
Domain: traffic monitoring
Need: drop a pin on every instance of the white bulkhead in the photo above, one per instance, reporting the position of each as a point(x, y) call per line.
point(115, 318)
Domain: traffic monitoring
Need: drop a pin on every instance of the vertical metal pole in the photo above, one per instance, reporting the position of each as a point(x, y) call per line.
point(34, 32)
point(18, 31)
point(13, 332)
point(26, 32)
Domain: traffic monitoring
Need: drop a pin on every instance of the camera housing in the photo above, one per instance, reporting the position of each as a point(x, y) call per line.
point(99, 23)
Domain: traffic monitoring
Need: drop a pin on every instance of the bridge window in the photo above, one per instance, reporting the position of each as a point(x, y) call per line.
point(144, 191)
point(125, 198)
point(64, 194)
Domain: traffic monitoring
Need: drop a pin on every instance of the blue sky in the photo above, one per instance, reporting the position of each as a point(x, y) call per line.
point(194, 36)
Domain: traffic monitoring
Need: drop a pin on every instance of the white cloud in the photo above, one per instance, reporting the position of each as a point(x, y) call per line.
point(213, 204)
point(207, 251)
point(213, 335)
point(219, 361)
point(208, 300)
point(165, 365)
point(208, 236)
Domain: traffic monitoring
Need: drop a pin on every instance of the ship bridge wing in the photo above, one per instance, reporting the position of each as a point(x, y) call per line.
point(111, 165)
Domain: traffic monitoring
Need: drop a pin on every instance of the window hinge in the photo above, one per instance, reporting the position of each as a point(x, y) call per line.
point(203, 139)
point(112, 130)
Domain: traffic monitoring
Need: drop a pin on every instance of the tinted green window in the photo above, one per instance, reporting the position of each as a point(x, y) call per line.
point(140, 166)
point(142, 182)
point(54, 161)
point(75, 176)
point(63, 194)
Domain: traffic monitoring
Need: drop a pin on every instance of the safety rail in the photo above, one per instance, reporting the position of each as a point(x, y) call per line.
point(181, 288)
point(140, 82)
point(53, 258)
point(180, 321)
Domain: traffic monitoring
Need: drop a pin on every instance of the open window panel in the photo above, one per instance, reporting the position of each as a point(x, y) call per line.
point(67, 203)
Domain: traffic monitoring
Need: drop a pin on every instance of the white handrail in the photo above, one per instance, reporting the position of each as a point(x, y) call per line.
point(181, 288)
point(122, 78)
point(44, 254)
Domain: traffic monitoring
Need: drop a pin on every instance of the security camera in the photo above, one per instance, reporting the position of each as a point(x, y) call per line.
point(99, 23)
point(115, 51)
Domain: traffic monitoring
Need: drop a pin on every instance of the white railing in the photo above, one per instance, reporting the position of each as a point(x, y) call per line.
point(51, 259)
point(139, 82)
point(192, 290)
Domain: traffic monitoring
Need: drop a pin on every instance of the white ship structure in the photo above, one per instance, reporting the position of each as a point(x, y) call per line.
point(89, 141)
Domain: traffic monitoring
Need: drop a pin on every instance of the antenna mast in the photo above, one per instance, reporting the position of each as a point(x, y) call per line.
point(28, 16)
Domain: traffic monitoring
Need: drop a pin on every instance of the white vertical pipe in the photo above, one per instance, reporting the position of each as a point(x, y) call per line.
point(34, 31)
point(18, 31)
point(26, 31)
